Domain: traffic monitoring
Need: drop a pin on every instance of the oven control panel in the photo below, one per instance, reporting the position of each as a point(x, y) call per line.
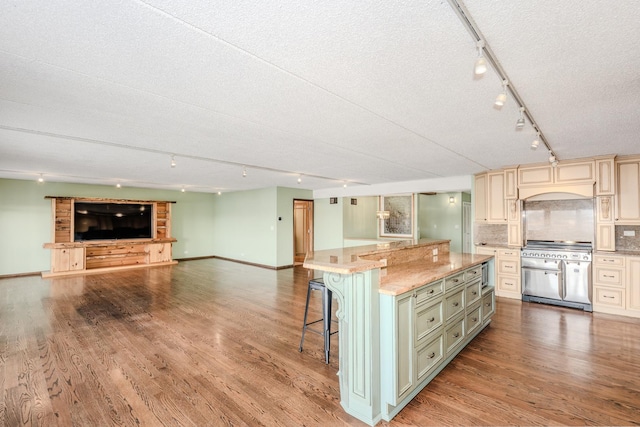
point(560, 255)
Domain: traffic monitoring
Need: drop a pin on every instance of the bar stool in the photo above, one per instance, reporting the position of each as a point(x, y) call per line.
point(318, 285)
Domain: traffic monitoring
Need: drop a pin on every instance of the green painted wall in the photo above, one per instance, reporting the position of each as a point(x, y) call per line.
point(360, 220)
point(328, 224)
point(25, 220)
point(246, 225)
point(439, 219)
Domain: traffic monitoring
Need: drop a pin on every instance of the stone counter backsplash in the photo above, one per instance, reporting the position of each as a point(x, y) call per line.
point(490, 234)
point(627, 243)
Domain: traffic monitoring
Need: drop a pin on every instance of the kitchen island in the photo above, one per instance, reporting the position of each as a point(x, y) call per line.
point(405, 309)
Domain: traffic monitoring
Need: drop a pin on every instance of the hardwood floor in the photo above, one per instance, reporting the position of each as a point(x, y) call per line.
point(212, 342)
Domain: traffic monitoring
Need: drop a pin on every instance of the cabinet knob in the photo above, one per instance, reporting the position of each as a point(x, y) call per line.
point(455, 304)
point(432, 319)
point(456, 335)
point(475, 319)
point(432, 355)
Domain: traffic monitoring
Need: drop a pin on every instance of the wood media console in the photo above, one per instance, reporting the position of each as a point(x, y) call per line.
point(93, 256)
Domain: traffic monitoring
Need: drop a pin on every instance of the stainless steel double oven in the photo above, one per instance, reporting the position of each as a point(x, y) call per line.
point(557, 273)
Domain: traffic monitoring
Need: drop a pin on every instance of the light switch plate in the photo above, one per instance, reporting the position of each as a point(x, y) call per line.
point(629, 233)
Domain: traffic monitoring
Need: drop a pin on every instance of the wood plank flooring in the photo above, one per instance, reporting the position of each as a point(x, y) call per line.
point(212, 342)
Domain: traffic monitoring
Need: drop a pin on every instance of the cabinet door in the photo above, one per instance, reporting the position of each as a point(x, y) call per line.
point(159, 252)
point(535, 176)
point(605, 182)
point(605, 237)
point(572, 173)
point(511, 184)
point(60, 260)
point(633, 285)
point(496, 212)
point(76, 259)
point(405, 376)
point(628, 206)
point(480, 197)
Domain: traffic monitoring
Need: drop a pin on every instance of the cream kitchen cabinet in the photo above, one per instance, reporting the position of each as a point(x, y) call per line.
point(628, 197)
point(605, 226)
point(609, 291)
point(490, 205)
point(514, 223)
point(480, 197)
point(508, 273)
point(605, 176)
point(632, 278)
point(511, 183)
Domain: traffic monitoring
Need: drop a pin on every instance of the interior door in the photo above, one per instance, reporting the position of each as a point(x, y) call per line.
point(466, 227)
point(302, 229)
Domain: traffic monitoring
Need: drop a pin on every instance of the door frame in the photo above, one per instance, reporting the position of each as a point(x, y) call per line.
point(310, 214)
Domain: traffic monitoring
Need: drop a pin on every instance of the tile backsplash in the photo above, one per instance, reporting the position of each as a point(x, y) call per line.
point(560, 220)
point(627, 243)
point(490, 234)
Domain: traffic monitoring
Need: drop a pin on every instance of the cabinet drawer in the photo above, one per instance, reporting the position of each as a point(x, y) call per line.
point(488, 305)
point(509, 253)
point(453, 281)
point(454, 304)
point(609, 297)
point(508, 266)
point(473, 291)
point(473, 273)
point(454, 335)
point(428, 319)
point(428, 357)
point(429, 291)
point(473, 318)
point(609, 276)
point(509, 283)
point(610, 260)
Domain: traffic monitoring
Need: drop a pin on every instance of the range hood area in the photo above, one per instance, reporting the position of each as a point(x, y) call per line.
point(563, 192)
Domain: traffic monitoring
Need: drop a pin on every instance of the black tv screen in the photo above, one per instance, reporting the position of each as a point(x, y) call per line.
point(110, 221)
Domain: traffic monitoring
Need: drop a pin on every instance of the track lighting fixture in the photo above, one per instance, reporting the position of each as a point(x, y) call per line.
point(244, 172)
point(173, 161)
point(183, 190)
point(219, 193)
point(502, 98)
point(520, 122)
point(299, 180)
point(118, 185)
point(552, 159)
point(40, 178)
point(480, 66)
point(535, 142)
point(344, 185)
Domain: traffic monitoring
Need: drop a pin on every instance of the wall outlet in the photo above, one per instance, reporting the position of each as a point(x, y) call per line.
point(629, 233)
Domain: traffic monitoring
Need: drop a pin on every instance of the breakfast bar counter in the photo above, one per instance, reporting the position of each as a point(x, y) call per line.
point(405, 309)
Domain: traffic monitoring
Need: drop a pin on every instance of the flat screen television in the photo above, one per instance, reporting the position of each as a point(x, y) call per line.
point(111, 221)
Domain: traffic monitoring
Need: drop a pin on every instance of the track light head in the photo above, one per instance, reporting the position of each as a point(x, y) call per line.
point(480, 66)
point(40, 178)
point(520, 122)
point(173, 161)
point(244, 172)
point(535, 143)
point(502, 98)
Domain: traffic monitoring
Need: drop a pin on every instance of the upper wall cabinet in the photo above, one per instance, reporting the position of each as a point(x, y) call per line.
point(490, 205)
point(480, 197)
point(605, 178)
point(574, 173)
point(582, 172)
point(511, 184)
point(628, 200)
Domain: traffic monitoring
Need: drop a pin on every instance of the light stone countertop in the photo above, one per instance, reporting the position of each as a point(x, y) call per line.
point(398, 278)
point(402, 278)
point(348, 260)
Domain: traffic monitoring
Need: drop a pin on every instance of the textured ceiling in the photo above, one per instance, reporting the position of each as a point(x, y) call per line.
point(330, 91)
